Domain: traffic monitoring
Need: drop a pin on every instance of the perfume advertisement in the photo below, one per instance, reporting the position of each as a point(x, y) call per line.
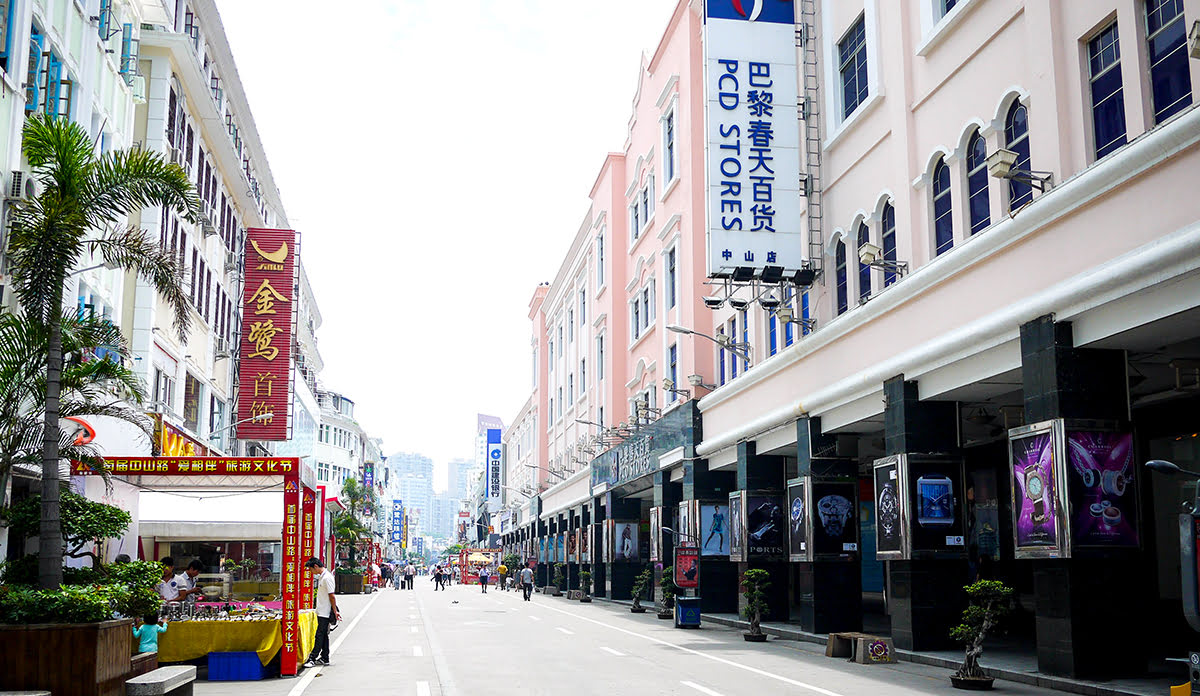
point(765, 525)
point(797, 522)
point(655, 533)
point(1101, 488)
point(889, 534)
point(1035, 507)
point(737, 526)
point(936, 502)
point(834, 518)
point(714, 530)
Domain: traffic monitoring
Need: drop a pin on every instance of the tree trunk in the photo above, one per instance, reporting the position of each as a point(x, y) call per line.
point(50, 541)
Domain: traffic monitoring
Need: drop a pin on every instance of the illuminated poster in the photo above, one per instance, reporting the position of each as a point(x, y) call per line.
point(1034, 492)
point(797, 521)
point(268, 315)
point(626, 541)
point(764, 525)
point(737, 526)
point(687, 567)
point(1102, 489)
point(936, 522)
point(834, 518)
point(889, 530)
point(655, 533)
point(714, 529)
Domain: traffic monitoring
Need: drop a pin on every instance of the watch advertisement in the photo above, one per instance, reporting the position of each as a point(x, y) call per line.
point(714, 529)
point(889, 528)
point(655, 533)
point(1101, 488)
point(765, 525)
point(737, 526)
point(835, 518)
point(935, 504)
point(1034, 493)
point(797, 521)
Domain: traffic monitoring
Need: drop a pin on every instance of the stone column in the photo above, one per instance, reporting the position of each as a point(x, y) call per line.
point(765, 474)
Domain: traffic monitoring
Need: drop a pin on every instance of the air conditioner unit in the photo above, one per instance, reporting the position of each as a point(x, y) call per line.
point(175, 154)
point(209, 220)
point(232, 264)
point(221, 349)
point(23, 186)
point(138, 88)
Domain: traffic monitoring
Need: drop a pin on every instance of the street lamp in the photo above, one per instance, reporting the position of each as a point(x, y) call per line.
point(1000, 165)
point(740, 350)
point(259, 417)
point(547, 470)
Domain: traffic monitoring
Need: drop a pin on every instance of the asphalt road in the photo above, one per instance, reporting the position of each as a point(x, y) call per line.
point(427, 643)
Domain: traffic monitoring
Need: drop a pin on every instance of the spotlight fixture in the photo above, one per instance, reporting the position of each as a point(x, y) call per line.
point(713, 302)
point(739, 303)
point(771, 274)
point(1000, 165)
point(698, 381)
point(768, 302)
point(742, 274)
point(804, 277)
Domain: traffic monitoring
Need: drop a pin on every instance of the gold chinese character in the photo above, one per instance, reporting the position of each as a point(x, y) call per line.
point(263, 383)
point(265, 297)
point(262, 408)
point(261, 335)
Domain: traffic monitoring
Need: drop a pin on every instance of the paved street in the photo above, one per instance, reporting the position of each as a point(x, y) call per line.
point(465, 642)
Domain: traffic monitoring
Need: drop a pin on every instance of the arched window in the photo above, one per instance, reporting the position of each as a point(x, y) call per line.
point(1016, 138)
point(887, 240)
point(977, 183)
point(943, 222)
point(864, 271)
point(839, 258)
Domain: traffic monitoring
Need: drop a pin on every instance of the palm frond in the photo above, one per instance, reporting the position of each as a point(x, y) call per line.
point(125, 181)
point(60, 153)
point(133, 249)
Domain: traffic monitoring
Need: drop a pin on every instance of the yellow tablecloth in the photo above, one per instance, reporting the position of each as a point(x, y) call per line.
point(189, 640)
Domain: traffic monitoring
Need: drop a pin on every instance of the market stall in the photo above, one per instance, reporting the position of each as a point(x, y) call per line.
point(471, 561)
point(216, 630)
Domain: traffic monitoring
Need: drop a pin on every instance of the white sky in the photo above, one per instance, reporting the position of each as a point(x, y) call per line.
point(436, 158)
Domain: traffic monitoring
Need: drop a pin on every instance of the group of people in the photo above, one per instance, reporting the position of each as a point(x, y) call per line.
point(443, 575)
point(400, 577)
point(177, 588)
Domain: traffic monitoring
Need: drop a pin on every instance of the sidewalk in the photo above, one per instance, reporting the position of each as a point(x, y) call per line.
point(1008, 666)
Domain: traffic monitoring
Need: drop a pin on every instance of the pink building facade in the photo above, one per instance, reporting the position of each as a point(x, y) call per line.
point(959, 310)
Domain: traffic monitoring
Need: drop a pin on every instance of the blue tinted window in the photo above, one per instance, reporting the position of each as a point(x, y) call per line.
point(772, 335)
point(840, 263)
point(943, 223)
point(804, 312)
point(1016, 138)
point(852, 53)
point(888, 241)
point(789, 328)
point(977, 183)
point(1170, 78)
point(1108, 97)
point(864, 271)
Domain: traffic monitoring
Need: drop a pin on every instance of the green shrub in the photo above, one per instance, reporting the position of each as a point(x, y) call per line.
point(122, 590)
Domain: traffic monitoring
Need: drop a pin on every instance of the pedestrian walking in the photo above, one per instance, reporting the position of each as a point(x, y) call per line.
point(437, 578)
point(410, 575)
point(327, 611)
point(527, 582)
point(484, 571)
point(502, 571)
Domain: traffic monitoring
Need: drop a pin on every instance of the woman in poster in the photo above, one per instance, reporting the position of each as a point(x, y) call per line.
point(716, 528)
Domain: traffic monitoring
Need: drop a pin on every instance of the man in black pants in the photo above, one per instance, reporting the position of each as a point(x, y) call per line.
point(327, 610)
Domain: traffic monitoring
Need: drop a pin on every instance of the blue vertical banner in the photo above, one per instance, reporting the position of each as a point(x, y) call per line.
point(494, 463)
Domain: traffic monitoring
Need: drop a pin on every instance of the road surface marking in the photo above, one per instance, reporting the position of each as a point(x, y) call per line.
point(535, 618)
point(417, 651)
point(610, 651)
point(699, 688)
point(312, 672)
point(803, 685)
point(422, 688)
point(412, 629)
point(569, 633)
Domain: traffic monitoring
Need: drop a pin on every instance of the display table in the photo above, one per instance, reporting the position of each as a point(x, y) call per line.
point(190, 640)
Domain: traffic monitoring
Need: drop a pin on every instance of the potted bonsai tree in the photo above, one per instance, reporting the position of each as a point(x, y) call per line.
point(667, 590)
point(755, 582)
point(991, 601)
point(640, 585)
point(560, 578)
point(585, 584)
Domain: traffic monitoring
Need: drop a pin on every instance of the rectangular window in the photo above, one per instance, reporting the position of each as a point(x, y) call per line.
point(852, 61)
point(1170, 76)
point(635, 221)
point(669, 146)
point(746, 338)
point(570, 388)
point(772, 338)
point(733, 363)
point(1108, 96)
point(673, 369)
point(671, 280)
point(560, 401)
point(582, 306)
point(945, 6)
point(571, 325)
point(636, 318)
point(550, 356)
point(789, 329)
point(648, 305)
point(600, 357)
point(600, 260)
point(721, 358)
point(804, 313)
point(582, 375)
point(600, 416)
point(560, 340)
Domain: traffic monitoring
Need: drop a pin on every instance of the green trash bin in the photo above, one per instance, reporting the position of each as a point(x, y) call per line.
point(687, 612)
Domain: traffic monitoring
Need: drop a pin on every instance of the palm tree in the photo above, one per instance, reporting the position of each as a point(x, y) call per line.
point(83, 194)
point(90, 386)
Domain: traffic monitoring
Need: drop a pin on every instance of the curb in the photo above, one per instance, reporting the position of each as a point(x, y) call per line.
point(1073, 686)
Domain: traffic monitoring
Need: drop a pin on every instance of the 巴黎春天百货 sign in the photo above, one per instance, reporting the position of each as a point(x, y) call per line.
point(753, 144)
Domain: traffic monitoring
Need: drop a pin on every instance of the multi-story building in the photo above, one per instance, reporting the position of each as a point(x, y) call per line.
point(458, 476)
point(341, 441)
point(997, 213)
point(521, 454)
point(414, 483)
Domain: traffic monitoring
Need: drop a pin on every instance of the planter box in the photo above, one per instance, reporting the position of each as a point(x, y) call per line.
point(66, 659)
point(552, 591)
point(347, 583)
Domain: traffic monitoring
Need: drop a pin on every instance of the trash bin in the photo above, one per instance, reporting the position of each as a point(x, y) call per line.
point(687, 612)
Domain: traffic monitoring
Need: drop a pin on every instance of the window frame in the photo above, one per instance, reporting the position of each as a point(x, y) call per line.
point(842, 278)
point(854, 64)
point(1019, 192)
point(940, 188)
point(977, 175)
point(864, 270)
point(1108, 101)
point(1162, 114)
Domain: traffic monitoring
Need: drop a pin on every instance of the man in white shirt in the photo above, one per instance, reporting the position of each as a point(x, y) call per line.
point(185, 582)
point(327, 609)
point(527, 582)
point(410, 574)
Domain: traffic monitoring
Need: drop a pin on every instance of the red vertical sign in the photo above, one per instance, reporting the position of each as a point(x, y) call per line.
point(268, 311)
point(308, 543)
point(290, 628)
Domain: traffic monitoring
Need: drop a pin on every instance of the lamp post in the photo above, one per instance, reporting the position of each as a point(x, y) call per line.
point(739, 350)
point(1189, 532)
point(259, 417)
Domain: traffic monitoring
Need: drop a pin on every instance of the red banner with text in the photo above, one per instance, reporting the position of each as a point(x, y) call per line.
point(308, 546)
point(268, 308)
point(290, 658)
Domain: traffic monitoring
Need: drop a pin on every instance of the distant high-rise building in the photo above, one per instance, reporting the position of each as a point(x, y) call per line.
point(414, 485)
point(459, 477)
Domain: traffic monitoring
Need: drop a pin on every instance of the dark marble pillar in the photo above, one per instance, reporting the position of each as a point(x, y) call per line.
point(765, 474)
